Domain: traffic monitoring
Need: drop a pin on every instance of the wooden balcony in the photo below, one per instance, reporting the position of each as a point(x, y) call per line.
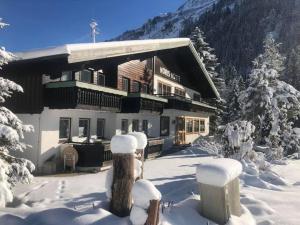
point(79, 95)
point(187, 104)
point(138, 102)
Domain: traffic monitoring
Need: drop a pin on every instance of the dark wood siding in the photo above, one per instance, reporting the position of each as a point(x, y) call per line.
point(136, 70)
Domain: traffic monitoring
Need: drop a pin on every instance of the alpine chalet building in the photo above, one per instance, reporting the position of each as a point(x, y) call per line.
point(81, 93)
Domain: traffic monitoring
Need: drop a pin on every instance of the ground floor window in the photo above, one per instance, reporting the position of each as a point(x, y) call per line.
point(84, 127)
point(145, 127)
point(202, 125)
point(64, 128)
point(189, 125)
point(196, 126)
point(124, 126)
point(135, 125)
point(164, 126)
point(100, 128)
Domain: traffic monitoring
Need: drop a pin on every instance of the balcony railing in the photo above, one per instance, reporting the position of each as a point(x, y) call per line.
point(74, 94)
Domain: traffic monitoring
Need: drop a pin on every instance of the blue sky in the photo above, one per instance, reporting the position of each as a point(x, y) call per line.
point(42, 23)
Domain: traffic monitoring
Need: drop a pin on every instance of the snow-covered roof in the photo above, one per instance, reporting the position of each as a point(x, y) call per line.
point(101, 50)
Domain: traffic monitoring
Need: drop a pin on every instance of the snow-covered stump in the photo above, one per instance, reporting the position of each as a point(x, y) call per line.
point(123, 148)
point(141, 145)
point(146, 201)
point(219, 189)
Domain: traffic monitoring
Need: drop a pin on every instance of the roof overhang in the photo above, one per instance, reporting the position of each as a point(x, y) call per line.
point(76, 53)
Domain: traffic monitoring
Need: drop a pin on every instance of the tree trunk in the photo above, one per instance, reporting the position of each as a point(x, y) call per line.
point(140, 156)
point(123, 179)
point(153, 213)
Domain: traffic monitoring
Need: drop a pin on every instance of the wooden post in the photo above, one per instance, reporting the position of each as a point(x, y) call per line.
point(153, 213)
point(123, 179)
point(140, 156)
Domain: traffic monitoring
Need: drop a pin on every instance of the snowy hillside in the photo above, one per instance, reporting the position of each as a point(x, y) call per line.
point(170, 24)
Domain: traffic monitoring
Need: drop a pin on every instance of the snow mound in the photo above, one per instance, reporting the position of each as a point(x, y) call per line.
point(246, 218)
point(108, 182)
point(138, 216)
point(142, 192)
point(218, 172)
point(123, 144)
point(141, 139)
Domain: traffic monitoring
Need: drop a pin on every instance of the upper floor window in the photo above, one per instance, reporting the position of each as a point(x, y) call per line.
point(135, 125)
point(66, 76)
point(179, 92)
point(85, 76)
point(196, 97)
point(64, 128)
point(164, 89)
point(144, 88)
point(101, 79)
point(135, 87)
point(100, 128)
point(125, 84)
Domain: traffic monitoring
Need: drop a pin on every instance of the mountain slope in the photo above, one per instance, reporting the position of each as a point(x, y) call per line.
point(169, 24)
point(235, 28)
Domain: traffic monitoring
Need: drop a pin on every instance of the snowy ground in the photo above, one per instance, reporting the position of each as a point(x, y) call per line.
point(80, 199)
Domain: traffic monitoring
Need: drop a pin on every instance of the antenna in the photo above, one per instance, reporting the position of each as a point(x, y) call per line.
point(94, 30)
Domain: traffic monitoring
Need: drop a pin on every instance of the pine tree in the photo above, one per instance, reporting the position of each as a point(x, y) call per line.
point(292, 71)
point(270, 103)
point(12, 169)
point(211, 64)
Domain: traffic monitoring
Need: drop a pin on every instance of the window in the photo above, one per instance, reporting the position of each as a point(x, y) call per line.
point(164, 89)
point(101, 79)
point(125, 84)
point(100, 128)
point(66, 76)
point(124, 126)
point(84, 128)
point(189, 125)
point(85, 76)
point(135, 87)
point(64, 128)
point(135, 125)
point(179, 92)
point(144, 88)
point(164, 126)
point(196, 97)
point(202, 125)
point(145, 127)
point(196, 126)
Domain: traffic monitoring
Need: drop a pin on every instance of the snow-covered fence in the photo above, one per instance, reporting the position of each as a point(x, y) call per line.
point(141, 145)
point(123, 148)
point(219, 189)
point(146, 201)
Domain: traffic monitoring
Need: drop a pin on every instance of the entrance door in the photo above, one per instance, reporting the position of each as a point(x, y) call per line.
point(180, 131)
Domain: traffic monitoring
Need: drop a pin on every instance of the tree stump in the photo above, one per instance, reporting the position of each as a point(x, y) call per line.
point(153, 213)
point(140, 156)
point(123, 179)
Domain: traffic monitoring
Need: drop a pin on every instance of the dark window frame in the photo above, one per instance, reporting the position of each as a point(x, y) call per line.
point(127, 89)
point(70, 74)
point(145, 124)
point(103, 128)
point(138, 125)
point(138, 86)
point(161, 124)
point(99, 74)
point(123, 131)
point(88, 134)
point(202, 126)
point(69, 119)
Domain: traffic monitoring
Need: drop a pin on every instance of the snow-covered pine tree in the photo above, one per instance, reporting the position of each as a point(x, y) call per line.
point(270, 103)
point(12, 169)
point(210, 62)
point(292, 71)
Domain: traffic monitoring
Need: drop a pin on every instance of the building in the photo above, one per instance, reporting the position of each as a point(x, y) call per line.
point(96, 90)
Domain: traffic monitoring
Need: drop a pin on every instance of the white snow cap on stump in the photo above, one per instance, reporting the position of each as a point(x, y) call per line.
point(123, 144)
point(141, 139)
point(142, 192)
point(218, 172)
point(138, 216)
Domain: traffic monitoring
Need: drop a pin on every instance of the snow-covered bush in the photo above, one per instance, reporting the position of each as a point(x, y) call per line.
point(12, 169)
point(238, 139)
point(270, 103)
